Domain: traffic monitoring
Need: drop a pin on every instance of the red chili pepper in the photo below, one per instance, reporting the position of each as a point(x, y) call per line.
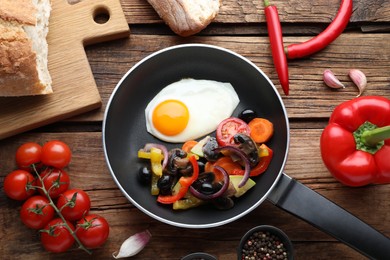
point(335, 28)
point(355, 146)
point(276, 42)
point(185, 183)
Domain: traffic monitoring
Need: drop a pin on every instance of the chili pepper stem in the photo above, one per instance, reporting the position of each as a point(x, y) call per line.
point(266, 3)
point(58, 211)
point(373, 137)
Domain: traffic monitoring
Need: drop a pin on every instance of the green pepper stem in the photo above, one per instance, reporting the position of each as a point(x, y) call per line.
point(373, 137)
point(266, 3)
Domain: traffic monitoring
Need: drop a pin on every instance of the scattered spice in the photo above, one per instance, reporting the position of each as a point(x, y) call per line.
point(263, 245)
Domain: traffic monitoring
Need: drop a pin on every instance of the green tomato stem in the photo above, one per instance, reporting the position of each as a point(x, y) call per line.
point(58, 211)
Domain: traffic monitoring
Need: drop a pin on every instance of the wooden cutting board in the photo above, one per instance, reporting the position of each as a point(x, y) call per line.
point(71, 27)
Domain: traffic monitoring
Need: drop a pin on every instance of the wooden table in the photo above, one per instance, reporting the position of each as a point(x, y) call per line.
point(240, 26)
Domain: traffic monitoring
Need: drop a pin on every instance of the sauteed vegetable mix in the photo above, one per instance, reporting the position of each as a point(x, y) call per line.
point(213, 170)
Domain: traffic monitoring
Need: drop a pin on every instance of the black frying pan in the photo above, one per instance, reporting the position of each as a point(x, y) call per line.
point(124, 132)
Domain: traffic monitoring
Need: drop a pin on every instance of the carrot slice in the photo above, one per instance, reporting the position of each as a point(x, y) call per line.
point(187, 146)
point(261, 129)
point(224, 162)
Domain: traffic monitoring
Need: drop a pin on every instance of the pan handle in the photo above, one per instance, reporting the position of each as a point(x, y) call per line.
point(315, 209)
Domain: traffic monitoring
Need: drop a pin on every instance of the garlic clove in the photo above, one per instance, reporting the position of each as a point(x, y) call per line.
point(359, 78)
point(133, 245)
point(330, 80)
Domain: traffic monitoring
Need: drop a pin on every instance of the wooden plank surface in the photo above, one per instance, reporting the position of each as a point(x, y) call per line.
point(88, 171)
point(292, 11)
point(71, 27)
point(239, 28)
point(309, 96)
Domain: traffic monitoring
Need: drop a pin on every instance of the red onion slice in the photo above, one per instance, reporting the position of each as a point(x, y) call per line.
point(222, 190)
point(244, 159)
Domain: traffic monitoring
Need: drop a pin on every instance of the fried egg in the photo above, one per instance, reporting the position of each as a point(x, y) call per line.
point(189, 109)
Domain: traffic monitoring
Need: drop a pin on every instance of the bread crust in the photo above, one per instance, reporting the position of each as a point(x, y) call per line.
point(187, 17)
point(21, 11)
point(18, 67)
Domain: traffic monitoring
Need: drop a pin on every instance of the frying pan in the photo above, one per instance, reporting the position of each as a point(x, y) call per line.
point(124, 133)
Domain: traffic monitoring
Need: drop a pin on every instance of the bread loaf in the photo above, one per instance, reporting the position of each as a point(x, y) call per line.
point(23, 47)
point(186, 17)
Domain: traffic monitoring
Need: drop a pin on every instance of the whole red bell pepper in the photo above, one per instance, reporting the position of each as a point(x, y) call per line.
point(355, 146)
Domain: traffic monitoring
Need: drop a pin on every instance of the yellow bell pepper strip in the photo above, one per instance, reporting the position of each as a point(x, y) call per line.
point(189, 201)
point(156, 157)
point(182, 185)
point(355, 145)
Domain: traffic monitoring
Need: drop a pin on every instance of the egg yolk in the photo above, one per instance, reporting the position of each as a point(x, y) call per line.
point(170, 117)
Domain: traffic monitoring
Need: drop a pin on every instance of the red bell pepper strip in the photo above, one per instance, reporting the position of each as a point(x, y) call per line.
point(185, 183)
point(326, 37)
point(276, 42)
point(234, 168)
point(355, 145)
point(260, 168)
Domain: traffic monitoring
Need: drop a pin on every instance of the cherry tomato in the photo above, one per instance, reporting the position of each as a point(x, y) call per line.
point(56, 237)
point(92, 231)
point(18, 185)
point(56, 153)
point(36, 212)
point(228, 128)
point(55, 181)
point(74, 204)
point(28, 154)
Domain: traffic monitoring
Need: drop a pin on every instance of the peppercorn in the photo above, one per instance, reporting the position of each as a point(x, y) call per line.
point(263, 245)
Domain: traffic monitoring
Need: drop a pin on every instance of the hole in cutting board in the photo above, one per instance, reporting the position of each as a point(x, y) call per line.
point(72, 2)
point(101, 15)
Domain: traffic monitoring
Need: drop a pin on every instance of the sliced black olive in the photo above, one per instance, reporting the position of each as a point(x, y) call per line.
point(165, 184)
point(208, 149)
point(248, 146)
point(203, 177)
point(207, 188)
point(223, 203)
point(145, 175)
point(217, 186)
point(201, 165)
point(247, 115)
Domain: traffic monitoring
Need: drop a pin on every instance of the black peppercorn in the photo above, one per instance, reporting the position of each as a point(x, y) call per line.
point(263, 245)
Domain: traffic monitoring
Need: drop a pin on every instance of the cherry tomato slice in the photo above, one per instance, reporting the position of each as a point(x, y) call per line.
point(55, 181)
point(56, 153)
point(28, 154)
point(56, 237)
point(92, 230)
point(18, 185)
point(74, 206)
point(36, 212)
point(228, 128)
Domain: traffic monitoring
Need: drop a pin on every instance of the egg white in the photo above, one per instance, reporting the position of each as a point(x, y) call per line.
point(208, 102)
